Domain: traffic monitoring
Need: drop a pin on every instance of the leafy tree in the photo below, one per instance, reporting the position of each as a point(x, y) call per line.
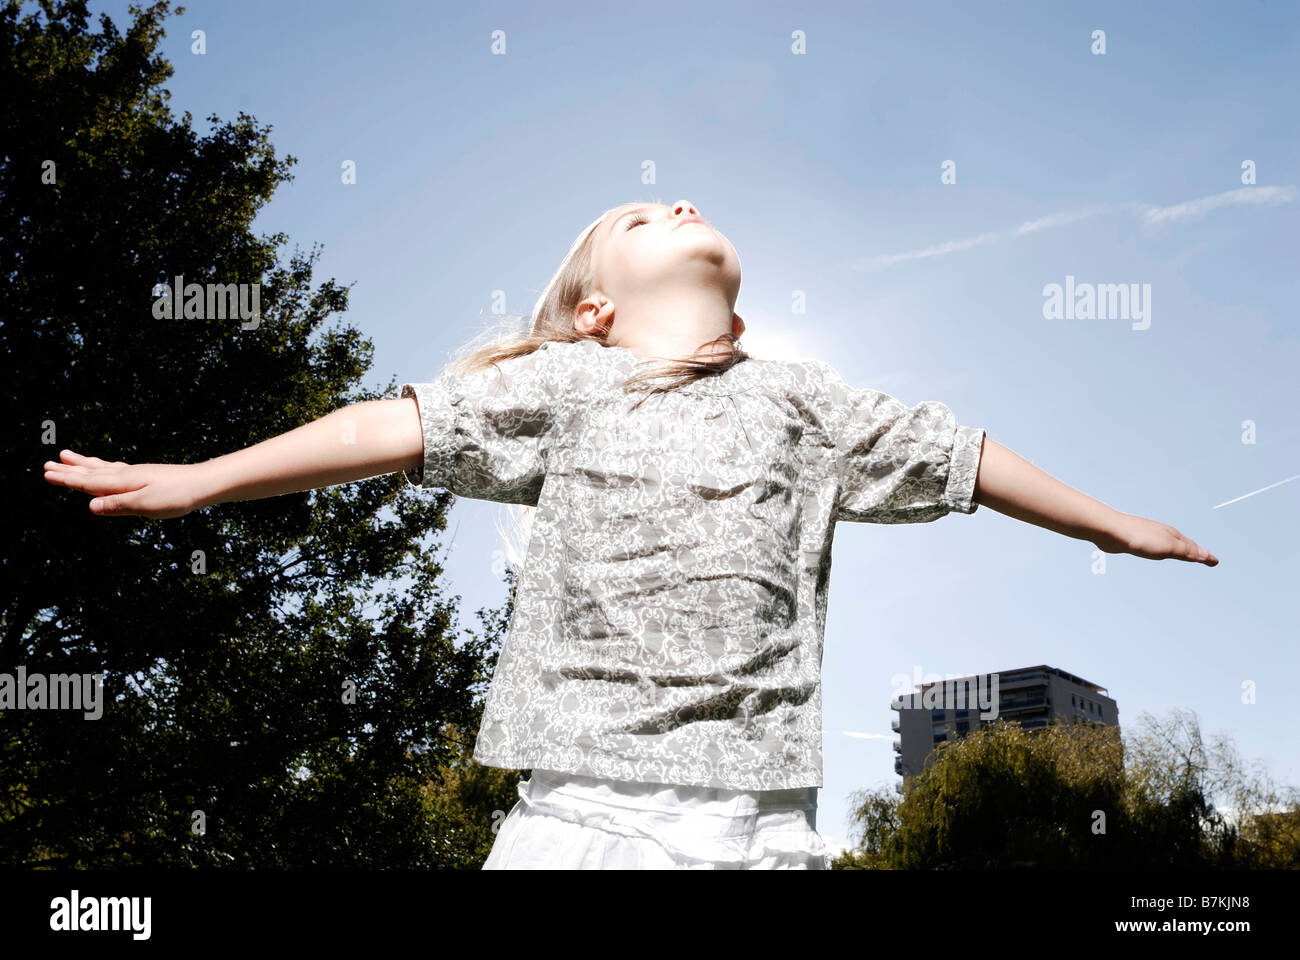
point(1005, 797)
point(230, 637)
point(1173, 778)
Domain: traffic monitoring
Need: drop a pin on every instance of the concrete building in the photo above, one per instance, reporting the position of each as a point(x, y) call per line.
point(952, 708)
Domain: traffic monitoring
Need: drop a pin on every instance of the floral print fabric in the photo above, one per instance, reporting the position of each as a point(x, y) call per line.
point(669, 618)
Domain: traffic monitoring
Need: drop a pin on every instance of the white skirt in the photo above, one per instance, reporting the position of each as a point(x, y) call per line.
point(568, 822)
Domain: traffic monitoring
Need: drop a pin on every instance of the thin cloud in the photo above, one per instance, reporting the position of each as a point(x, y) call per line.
point(1148, 214)
point(1197, 209)
point(1253, 492)
point(868, 736)
point(1061, 219)
point(952, 246)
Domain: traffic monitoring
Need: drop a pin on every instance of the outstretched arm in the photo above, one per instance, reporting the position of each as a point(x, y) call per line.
point(352, 443)
point(1013, 486)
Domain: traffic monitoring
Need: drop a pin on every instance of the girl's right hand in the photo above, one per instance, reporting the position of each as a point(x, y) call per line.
point(158, 490)
point(1152, 540)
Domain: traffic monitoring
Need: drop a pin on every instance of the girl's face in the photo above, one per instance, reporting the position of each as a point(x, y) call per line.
point(648, 254)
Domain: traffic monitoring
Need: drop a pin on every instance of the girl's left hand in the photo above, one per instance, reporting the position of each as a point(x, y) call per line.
point(1152, 540)
point(156, 490)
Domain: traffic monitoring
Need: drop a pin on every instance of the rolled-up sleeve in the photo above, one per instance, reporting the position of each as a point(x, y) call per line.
point(895, 463)
point(486, 434)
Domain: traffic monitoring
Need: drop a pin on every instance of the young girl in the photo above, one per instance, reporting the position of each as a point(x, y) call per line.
point(661, 677)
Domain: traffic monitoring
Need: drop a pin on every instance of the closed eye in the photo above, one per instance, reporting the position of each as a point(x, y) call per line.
point(636, 220)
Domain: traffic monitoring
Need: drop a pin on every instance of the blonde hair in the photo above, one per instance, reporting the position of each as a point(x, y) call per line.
point(552, 320)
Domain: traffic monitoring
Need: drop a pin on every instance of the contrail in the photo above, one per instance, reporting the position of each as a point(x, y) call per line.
point(1150, 214)
point(1260, 490)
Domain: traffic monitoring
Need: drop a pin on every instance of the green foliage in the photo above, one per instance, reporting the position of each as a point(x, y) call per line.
point(1078, 796)
point(225, 689)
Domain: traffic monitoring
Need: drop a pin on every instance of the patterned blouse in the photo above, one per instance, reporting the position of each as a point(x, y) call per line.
point(669, 617)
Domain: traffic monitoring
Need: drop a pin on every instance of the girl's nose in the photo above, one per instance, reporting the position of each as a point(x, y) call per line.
point(683, 208)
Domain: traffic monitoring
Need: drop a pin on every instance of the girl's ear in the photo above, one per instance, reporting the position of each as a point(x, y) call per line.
point(737, 325)
point(593, 317)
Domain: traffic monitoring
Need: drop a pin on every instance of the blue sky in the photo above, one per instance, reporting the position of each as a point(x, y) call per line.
point(475, 172)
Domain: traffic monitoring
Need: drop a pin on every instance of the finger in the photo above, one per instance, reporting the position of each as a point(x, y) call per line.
point(80, 462)
point(94, 482)
point(62, 478)
point(1199, 554)
point(64, 472)
point(66, 469)
point(113, 505)
point(59, 478)
point(72, 457)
